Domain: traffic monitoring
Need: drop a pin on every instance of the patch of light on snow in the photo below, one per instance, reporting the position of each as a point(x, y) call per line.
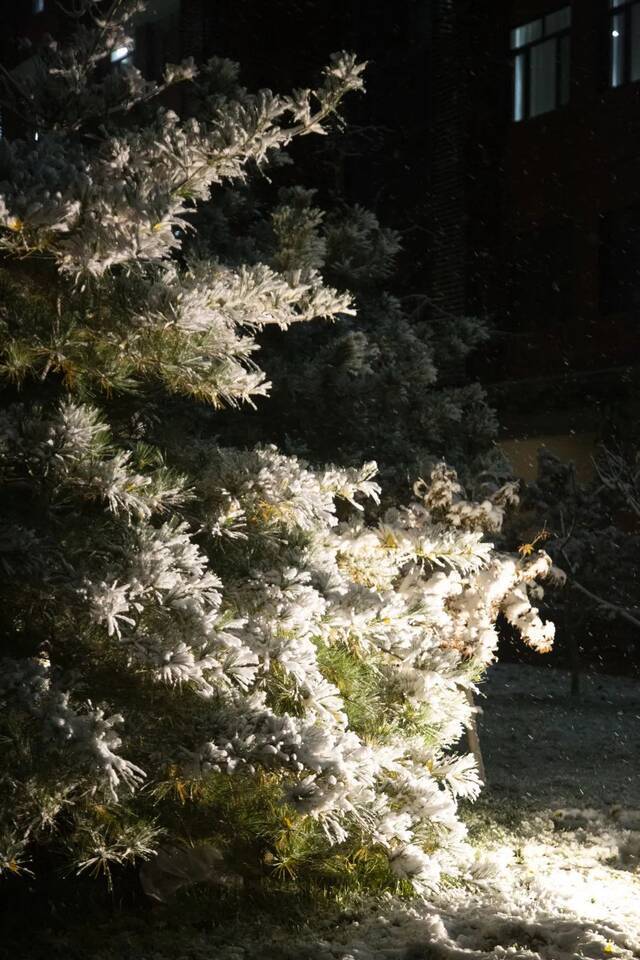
point(555, 901)
point(568, 887)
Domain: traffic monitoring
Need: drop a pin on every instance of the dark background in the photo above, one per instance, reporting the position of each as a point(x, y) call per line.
point(533, 225)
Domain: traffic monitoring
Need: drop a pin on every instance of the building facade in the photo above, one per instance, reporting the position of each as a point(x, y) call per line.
point(503, 139)
point(553, 206)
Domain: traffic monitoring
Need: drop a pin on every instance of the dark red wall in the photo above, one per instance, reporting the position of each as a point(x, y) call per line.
point(553, 180)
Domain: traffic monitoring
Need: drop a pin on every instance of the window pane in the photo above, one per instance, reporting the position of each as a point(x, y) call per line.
point(635, 42)
point(560, 20)
point(616, 50)
point(518, 87)
point(542, 77)
point(527, 33)
point(565, 68)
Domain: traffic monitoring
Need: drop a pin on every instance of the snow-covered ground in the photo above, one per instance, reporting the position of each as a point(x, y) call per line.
point(544, 748)
point(562, 811)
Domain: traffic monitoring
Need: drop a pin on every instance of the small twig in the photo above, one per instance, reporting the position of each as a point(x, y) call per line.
point(425, 298)
point(621, 611)
point(566, 537)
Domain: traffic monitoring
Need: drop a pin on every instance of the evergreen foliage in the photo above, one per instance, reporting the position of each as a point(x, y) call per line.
point(383, 382)
point(592, 531)
point(210, 655)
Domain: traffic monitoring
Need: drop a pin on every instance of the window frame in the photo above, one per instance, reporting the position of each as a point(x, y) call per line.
point(524, 51)
point(623, 9)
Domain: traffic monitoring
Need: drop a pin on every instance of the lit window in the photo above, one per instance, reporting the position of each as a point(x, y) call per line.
point(38, 6)
point(624, 42)
point(121, 55)
point(541, 53)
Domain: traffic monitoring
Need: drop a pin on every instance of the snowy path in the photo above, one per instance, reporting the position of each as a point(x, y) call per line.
point(562, 811)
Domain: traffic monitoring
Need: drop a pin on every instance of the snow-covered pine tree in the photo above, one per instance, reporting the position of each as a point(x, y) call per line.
point(384, 382)
point(207, 648)
point(591, 529)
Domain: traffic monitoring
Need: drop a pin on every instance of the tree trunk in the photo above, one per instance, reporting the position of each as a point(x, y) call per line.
point(570, 629)
point(474, 740)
